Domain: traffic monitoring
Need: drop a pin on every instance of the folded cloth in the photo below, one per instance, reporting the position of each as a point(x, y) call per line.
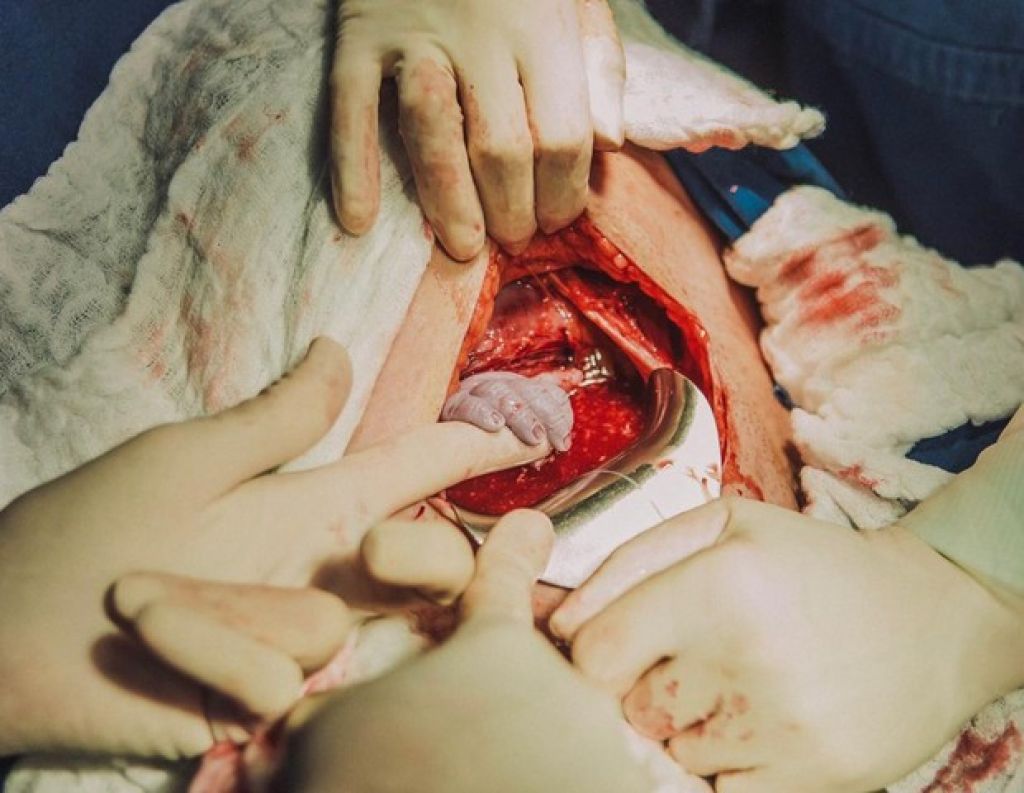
point(881, 343)
point(182, 253)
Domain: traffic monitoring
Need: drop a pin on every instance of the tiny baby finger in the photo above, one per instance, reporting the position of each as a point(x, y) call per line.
point(463, 406)
point(507, 395)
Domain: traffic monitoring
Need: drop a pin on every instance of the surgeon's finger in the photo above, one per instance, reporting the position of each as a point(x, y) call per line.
point(216, 453)
point(307, 624)
point(355, 83)
point(508, 564)
point(555, 84)
point(431, 556)
point(646, 555)
point(637, 631)
point(343, 500)
point(661, 617)
point(391, 475)
point(605, 65)
point(702, 750)
point(464, 406)
point(262, 679)
point(499, 145)
point(431, 125)
point(671, 697)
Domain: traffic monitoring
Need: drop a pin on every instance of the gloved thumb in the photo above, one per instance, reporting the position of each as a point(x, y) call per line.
point(431, 556)
point(274, 427)
point(249, 643)
point(508, 564)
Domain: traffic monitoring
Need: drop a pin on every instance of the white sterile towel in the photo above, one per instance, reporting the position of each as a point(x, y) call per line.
point(182, 253)
point(881, 343)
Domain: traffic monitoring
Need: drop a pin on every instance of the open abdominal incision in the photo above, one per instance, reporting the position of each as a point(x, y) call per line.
point(633, 286)
point(563, 349)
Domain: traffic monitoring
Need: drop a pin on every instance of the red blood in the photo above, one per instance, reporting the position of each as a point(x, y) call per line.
point(649, 719)
point(837, 283)
point(706, 724)
point(802, 266)
point(855, 473)
point(582, 245)
point(587, 243)
point(531, 331)
point(608, 419)
point(621, 314)
point(861, 300)
point(738, 704)
point(436, 623)
point(822, 285)
point(974, 760)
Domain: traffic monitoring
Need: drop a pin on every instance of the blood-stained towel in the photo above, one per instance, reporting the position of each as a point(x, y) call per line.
point(182, 252)
point(880, 343)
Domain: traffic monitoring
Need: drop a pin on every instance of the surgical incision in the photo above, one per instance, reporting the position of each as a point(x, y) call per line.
point(600, 339)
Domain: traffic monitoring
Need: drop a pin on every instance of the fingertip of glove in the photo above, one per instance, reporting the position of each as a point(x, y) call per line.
point(130, 594)
point(561, 624)
point(608, 138)
point(356, 211)
point(464, 246)
point(528, 533)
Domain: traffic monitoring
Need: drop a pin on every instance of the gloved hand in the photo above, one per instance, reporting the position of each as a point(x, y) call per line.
point(988, 498)
point(538, 81)
point(786, 654)
point(227, 549)
point(495, 708)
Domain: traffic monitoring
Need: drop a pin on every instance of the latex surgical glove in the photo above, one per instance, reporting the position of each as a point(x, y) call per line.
point(495, 708)
point(786, 654)
point(976, 519)
point(499, 103)
point(228, 552)
point(534, 408)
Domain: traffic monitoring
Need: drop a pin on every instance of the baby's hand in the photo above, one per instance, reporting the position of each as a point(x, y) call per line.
point(532, 407)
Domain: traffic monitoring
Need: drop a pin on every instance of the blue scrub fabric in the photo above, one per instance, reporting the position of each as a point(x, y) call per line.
point(55, 59)
point(924, 98)
point(925, 106)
